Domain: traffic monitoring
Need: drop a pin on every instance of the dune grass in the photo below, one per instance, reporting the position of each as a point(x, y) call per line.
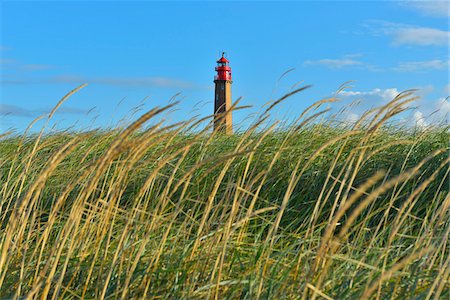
point(310, 211)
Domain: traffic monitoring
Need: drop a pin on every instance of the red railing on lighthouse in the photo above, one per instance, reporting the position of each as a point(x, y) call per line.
point(223, 69)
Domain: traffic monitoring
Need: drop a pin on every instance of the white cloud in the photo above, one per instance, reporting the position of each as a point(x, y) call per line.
point(432, 112)
point(430, 65)
point(426, 111)
point(351, 118)
point(447, 90)
point(345, 61)
point(376, 96)
point(444, 105)
point(419, 120)
point(421, 36)
point(355, 103)
point(404, 34)
point(424, 90)
point(438, 9)
point(443, 110)
point(429, 112)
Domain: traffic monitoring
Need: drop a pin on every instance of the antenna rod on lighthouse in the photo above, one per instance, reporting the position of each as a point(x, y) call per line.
point(223, 121)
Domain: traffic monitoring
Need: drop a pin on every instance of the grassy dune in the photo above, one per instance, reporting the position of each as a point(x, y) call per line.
point(312, 211)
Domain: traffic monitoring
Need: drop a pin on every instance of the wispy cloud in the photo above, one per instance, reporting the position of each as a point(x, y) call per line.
point(14, 110)
point(4, 48)
point(6, 61)
point(422, 66)
point(12, 81)
point(14, 65)
point(161, 82)
point(346, 61)
point(421, 36)
point(404, 34)
point(18, 111)
point(407, 66)
point(438, 9)
point(70, 110)
point(36, 67)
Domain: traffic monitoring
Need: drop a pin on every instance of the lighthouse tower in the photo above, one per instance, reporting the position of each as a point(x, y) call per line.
point(222, 102)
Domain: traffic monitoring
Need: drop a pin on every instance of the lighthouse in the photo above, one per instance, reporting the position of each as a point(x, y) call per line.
point(222, 101)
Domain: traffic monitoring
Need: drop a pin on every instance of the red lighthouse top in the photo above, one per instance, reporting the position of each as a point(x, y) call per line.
point(223, 60)
point(223, 69)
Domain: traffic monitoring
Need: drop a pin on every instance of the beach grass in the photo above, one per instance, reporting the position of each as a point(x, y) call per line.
point(313, 210)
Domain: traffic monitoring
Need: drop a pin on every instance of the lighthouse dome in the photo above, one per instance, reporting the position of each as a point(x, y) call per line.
point(223, 60)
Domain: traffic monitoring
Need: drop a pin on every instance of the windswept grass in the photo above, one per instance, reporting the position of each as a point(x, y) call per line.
point(311, 211)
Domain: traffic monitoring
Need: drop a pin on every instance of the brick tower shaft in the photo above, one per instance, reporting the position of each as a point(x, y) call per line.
point(223, 121)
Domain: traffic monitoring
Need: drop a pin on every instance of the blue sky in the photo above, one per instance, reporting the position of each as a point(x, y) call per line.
point(140, 54)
